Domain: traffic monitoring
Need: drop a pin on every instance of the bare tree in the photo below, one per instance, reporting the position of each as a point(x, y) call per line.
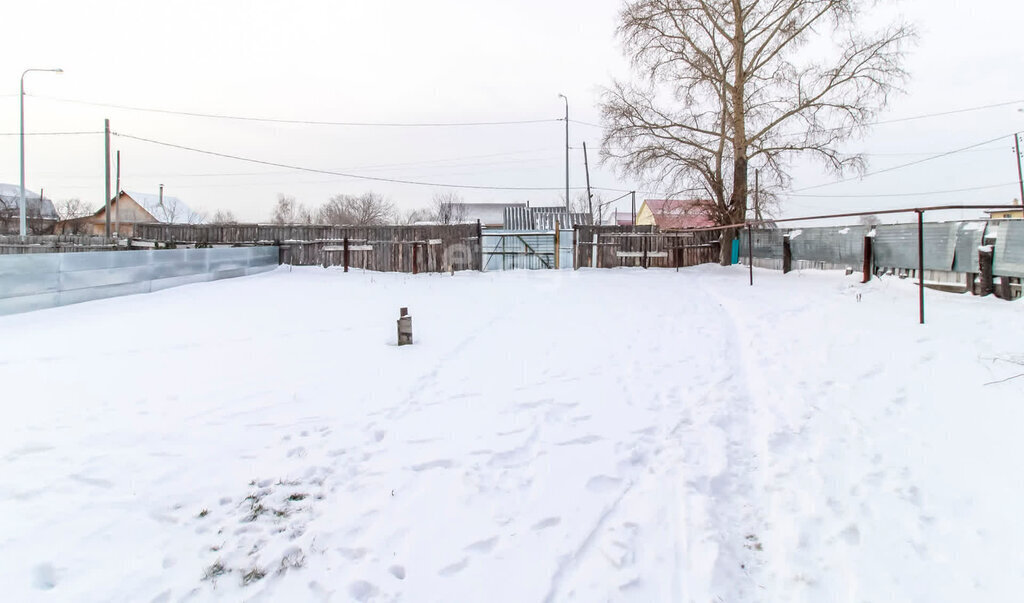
point(290, 211)
point(449, 208)
point(730, 82)
point(414, 216)
point(368, 209)
point(581, 205)
point(870, 220)
point(71, 214)
point(224, 216)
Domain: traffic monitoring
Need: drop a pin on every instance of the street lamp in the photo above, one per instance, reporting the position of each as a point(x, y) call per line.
point(562, 96)
point(22, 223)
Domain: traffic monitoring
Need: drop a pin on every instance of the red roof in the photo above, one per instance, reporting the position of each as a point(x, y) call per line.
point(679, 213)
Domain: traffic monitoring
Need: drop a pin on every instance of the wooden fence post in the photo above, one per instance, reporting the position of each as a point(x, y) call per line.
point(558, 252)
point(869, 242)
point(480, 247)
point(787, 254)
point(575, 250)
point(345, 253)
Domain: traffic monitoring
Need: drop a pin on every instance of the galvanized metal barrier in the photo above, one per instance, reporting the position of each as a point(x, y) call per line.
point(36, 281)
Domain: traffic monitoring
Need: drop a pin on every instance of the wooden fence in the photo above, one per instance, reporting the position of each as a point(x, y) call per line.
point(412, 249)
point(643, 246)
point(14, 244)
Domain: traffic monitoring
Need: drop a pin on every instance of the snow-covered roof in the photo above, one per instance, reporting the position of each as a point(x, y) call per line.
point(172, 211)
point(9, 197)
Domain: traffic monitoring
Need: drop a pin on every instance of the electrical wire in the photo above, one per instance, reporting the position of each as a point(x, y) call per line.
point(903, 165)
point(348, 175)
point(920, 194)
point(47, 133)
point(300, 121)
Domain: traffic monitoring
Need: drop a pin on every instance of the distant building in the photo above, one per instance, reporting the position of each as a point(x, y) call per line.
point(1006, 214)
point(131, 208)
point(622, 218)
point(673, 214)
point(40, 214)
point(490, 215)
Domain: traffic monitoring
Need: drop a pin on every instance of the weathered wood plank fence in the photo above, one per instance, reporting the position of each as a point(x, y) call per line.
point(414, 249)
point(643, 246)
point(14, 244)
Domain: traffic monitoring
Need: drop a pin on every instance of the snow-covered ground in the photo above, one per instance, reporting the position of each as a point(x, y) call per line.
point(620, 435)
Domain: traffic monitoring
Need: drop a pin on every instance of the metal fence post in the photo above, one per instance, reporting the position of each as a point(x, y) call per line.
point(920, 262)
point(750, 253)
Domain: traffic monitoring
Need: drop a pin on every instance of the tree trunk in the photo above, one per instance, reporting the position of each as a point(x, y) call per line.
point(725, 252)
point(738, 199)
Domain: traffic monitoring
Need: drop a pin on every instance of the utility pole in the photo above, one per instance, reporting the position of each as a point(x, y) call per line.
point(586, 166)
point(566, 150)
point(161, 195)
point(117, 206)
point(106, 179)
point(633, 193)
point(21, 195)
point(1020, 178)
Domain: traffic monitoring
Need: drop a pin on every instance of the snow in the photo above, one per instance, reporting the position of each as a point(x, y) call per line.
point(800, 440)
point(14, 190)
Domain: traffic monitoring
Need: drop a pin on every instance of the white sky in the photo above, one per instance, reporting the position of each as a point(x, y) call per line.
point(438, 61)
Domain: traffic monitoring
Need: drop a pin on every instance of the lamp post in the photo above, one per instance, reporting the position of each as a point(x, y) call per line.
point(564, 97)
point(22, 221)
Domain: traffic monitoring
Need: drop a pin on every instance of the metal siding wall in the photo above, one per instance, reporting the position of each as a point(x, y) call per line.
point(834, 245)
point(968, 238)
point(767, 244)
point(1009, 256)
point(895, 246)
point(36, 281)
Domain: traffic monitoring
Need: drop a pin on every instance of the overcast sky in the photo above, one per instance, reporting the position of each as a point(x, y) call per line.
point(440, 61)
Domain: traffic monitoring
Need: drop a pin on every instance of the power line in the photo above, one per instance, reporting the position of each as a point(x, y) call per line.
point(344, 174)
point(300, 121)
point(47, 133)
point(920, 194)
point(902, 165)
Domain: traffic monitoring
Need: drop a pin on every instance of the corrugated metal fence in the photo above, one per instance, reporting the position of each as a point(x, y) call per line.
point(32, 282)
point(948, 246)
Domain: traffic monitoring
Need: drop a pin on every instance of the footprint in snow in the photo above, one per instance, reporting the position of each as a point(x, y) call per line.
point(601, 484)
point(546, 523)
point(483, 546)
point(44, 576)
point(451, 570)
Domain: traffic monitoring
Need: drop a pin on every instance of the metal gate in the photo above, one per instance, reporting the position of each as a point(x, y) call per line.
point(527, 250)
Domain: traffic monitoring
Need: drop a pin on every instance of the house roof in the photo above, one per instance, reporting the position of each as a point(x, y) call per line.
point(678, 213)
point(172, 211)
point(34, 205)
